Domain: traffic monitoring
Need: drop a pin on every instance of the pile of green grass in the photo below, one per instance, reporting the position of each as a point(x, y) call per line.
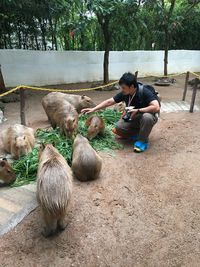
point(26, 167)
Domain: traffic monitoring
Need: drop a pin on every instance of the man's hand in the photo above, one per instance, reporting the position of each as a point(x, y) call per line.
point(104, 104)
point(87, 110)
point(133, 112)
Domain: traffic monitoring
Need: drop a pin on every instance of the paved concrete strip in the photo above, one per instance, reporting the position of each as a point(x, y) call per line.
point(15, 204)
point(18, 217)
point(168, 107)
point(9, 205)
point(176, 106)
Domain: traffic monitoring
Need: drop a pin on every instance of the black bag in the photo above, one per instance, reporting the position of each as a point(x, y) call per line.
point(150, 88)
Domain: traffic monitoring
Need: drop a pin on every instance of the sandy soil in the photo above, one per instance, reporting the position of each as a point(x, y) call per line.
point(143, 211)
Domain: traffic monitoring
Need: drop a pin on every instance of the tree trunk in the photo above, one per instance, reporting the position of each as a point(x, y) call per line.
point(55, 35)
point(36, 41)
point(43, 31)
point(106, 67)
point(166, 61)
point(166, 53)
point(52, 33)
point(19, 40)
point(107, 39)
point(66, 42)
point(2, 84)
point(5, 41)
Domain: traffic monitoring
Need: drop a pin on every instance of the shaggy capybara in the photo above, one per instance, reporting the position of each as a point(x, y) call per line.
point(18, 140)
point(86, 163)
point(54, 188)
point(78, 101)
point(120, 107)
point(61, 114)
point(95, 126)
point(7, 174)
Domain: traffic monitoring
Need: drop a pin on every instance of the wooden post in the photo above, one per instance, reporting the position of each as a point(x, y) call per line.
point(186, 85)
point(22, 106)
point(136, 74)
point(2, 84)
point(193, 96)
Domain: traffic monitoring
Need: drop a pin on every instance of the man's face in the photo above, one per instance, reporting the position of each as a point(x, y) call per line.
point(126, 90)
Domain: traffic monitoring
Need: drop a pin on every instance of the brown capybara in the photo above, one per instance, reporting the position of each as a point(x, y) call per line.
point(86, 163)
point(78, 101)
point(7, 174)
point(95, 126)
point(18, 140)
point(120, 107)
point(54, 188)
point(61, 114)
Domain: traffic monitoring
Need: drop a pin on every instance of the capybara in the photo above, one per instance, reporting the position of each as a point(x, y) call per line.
point(78, 101)
point(7, 174)
point(54, 188)
point(18, 140)
point(86, 163)
point(120, 107)
point(95, 126)
point(61, 114)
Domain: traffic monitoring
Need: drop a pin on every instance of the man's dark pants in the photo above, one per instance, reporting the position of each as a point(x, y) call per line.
point(141, 124)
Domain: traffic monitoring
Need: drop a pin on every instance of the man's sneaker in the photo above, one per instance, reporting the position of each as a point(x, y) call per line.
point(140, 146)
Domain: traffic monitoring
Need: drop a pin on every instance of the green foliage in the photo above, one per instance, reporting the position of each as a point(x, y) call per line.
point(77, 25)
point(26, 167)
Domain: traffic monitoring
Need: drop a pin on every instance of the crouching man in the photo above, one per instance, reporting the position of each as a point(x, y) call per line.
point(142, 105)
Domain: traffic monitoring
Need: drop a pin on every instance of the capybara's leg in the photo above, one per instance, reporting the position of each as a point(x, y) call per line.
point(49, 119)
point(62, 224)
point(53, 124)
point(50, 225)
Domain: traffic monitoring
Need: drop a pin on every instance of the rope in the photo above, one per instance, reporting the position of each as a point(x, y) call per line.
point(195, 74)
point(77, 90)
point(167, 76)
point(55, 90)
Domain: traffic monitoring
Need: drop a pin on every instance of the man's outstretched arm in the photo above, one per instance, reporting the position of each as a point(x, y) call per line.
point(107, 103)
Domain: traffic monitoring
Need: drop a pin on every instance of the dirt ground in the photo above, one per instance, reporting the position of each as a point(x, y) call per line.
point(143, 211)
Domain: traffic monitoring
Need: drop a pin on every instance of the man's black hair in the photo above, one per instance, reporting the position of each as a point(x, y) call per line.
point(128, 79)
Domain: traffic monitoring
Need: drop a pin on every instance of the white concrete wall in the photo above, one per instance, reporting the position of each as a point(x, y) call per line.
point(52, 67)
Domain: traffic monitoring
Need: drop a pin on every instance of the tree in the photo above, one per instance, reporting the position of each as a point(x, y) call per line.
point(109, 15)
point(100, 25)
point(167, 20)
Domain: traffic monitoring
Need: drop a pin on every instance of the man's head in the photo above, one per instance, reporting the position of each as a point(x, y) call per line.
point(128, 83)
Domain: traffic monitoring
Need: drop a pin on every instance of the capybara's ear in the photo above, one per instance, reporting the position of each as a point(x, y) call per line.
point(88, 121)
point(4, 159)
point(83, 96)
point(2, 163)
